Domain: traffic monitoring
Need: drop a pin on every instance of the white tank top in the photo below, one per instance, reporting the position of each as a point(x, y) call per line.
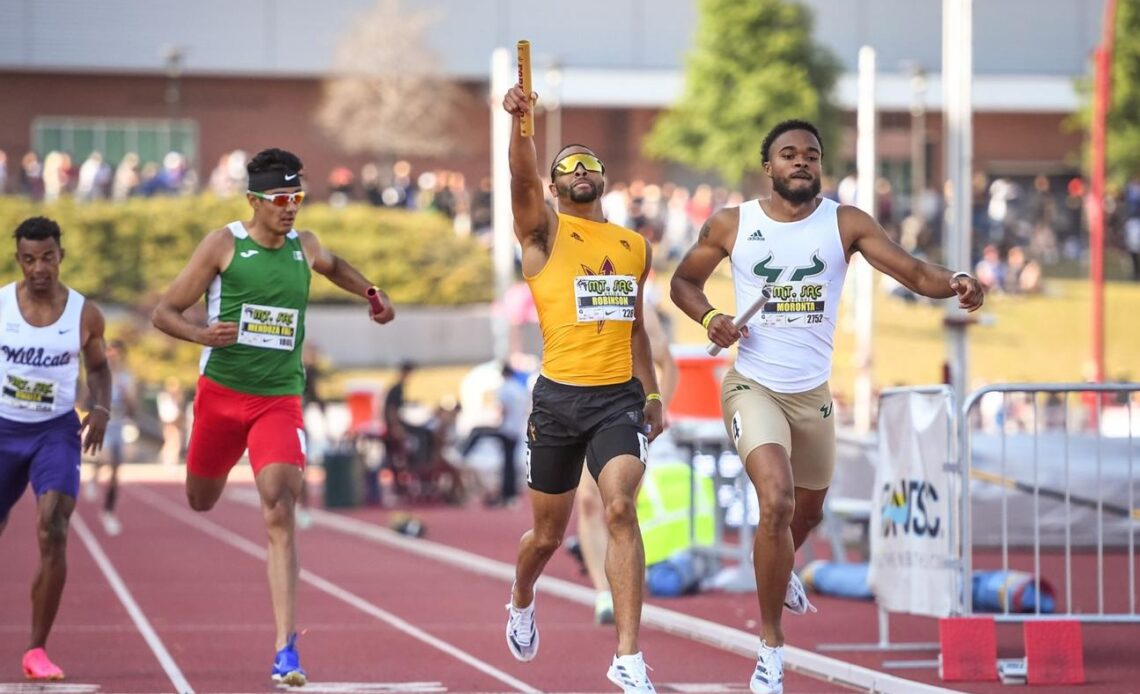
point(803, 263)
point(39, 367)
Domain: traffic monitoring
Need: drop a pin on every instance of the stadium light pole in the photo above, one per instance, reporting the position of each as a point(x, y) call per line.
point(957, 124)
point(866, 126)
point(503, 234)
point(173, 57)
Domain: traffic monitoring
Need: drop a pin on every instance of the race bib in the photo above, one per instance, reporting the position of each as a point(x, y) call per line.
point(605, 297)
point(268, 327)
point(794, 305)
point(28, 393)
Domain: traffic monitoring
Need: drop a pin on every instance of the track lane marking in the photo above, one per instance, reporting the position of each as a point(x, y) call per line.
point(162, 504)
point(173, 673)
point(802, 661)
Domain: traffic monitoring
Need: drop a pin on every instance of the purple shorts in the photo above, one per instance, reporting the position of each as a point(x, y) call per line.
point(45, 453)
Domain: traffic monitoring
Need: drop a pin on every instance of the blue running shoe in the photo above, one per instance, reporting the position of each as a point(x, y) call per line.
point(287, 665)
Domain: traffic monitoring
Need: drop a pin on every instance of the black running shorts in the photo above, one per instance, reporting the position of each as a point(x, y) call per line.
point(571, 423)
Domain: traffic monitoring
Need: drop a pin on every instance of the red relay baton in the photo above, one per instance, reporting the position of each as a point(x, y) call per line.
point(373, 295)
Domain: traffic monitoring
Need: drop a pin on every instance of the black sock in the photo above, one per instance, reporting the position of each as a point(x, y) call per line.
point(112, 495)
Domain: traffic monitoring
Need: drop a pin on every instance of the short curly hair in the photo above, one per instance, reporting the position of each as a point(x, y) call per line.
point(783, 127)
point(37, 229)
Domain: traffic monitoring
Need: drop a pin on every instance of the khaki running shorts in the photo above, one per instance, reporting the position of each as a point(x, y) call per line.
point(800, 422)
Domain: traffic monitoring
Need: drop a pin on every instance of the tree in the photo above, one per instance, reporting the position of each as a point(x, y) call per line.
point(754, 64)
point(386, 95)
point(1123, 135)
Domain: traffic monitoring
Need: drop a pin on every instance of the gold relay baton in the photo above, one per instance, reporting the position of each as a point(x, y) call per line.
point(526, 126)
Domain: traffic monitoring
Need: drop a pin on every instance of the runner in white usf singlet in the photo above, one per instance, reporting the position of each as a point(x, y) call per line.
point(776, 402)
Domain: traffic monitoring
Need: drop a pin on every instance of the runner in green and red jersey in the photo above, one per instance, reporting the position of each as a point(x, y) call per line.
point(255, 276)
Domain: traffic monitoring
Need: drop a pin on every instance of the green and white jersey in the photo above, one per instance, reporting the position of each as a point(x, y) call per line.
point(803, 263)
point(265, 291)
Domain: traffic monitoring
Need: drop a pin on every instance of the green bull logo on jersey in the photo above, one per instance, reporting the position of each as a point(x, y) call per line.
point(772, 273)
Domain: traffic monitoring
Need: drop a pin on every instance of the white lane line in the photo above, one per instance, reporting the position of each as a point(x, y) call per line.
point(156, 646)
point(678, 623)
point(157, 501)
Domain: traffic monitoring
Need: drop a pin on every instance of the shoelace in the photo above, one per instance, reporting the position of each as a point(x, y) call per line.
point(521, 621)
point(799, 599)
point(765, 666)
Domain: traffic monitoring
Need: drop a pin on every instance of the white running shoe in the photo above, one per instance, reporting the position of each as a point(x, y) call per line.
point(522, 632)
point(628, 672)
point(111, 524)
point(769, 675)
point(795, 597)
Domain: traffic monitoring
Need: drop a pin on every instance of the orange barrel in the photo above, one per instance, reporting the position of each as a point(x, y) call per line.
point(698, 382)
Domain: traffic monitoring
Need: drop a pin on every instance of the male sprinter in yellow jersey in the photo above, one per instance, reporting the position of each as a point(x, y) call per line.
point(591, 399)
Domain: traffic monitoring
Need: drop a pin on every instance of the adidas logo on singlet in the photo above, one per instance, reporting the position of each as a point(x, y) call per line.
point(756, 236)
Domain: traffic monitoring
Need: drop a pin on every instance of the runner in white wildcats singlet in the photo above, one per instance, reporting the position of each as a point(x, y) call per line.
point(45, 330)
point(776, 402)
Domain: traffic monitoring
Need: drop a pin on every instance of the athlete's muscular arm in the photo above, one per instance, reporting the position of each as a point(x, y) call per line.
point(687, 289)
point(98, 369)
point(643, 355)
point(212, 256)
point(535, 221)
point(863, 234)
point(342, 274)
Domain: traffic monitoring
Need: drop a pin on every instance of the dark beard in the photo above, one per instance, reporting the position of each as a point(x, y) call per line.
point(798, 196)
point(585, 196)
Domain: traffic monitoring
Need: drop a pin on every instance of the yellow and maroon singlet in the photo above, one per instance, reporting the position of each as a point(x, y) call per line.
point(585, 296)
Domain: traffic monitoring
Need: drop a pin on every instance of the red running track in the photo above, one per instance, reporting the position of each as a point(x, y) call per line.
point(375, 618)
point(379, 617)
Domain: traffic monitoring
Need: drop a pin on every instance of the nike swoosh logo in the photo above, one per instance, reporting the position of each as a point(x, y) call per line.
point(290, 178)
point(61, 332)
point(793, 320)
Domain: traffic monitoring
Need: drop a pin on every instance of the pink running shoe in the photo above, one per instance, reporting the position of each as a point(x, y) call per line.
point(37, 666)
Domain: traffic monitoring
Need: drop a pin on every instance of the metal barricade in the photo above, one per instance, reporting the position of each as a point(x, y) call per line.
point(1070, 507)
point(993, 463)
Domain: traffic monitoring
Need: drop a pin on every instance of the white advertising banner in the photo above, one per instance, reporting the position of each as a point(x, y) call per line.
point(912, 505)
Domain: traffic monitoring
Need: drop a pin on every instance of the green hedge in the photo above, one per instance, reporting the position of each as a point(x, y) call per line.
point(129, 252)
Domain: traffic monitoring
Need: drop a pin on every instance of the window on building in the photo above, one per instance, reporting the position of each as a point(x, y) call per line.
point(151, 139)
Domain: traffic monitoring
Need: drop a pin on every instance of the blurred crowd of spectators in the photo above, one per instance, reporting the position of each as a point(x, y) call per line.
point(1020, 224)
point(58, 175)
